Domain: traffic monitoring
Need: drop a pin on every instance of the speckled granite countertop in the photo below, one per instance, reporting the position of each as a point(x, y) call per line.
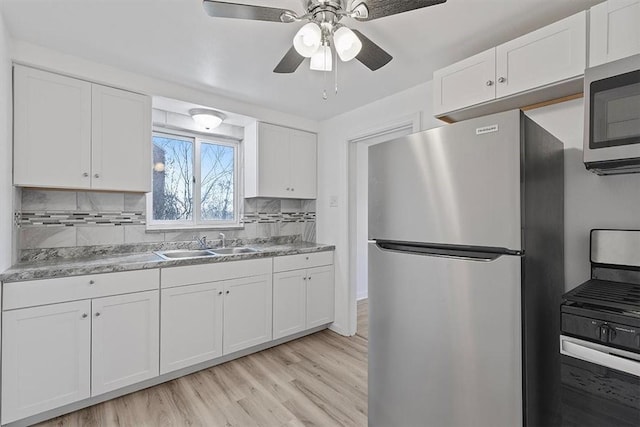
point(109, 263)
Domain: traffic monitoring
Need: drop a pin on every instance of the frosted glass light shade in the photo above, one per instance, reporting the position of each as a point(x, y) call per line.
point(307, 40)
point(347, 44)
point(322, 60)
point(207, 119)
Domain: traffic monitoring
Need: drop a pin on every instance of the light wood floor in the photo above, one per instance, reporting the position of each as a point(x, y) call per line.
point(319, 380)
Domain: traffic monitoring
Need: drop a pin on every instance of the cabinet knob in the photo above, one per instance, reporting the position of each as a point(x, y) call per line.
point(288, 189)
point(84, 315)
point(86, 174)
point(227, 292)
point(489, 82)
point(293, 189)
point(96, 175)
point(97, 314)
point(501, 80)
point(309, 278)
point(91, 282)
point(307, 258)
point(220, 293)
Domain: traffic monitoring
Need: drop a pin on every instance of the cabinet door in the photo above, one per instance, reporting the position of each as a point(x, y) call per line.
point(289, 303)
point(320, 296)
point(247, 312)
point(191, 325)
point(121, 140)
point(303, 165)
point(551, 54)
point(52, 134)
point(614, 31)
point(465, 83)
point(273, 160)
point(125, 340)
point(45, 358)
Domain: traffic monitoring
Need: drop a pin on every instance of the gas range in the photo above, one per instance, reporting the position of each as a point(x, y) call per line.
point(600, 336)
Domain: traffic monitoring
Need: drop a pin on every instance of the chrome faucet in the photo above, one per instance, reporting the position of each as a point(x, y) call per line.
point(201, 241)
point(223, 237)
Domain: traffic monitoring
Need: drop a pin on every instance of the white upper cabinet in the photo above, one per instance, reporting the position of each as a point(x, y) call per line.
point(468, 82)
point(551, 54)
point(74, 134)
point(614, 31)
point(279, 162)
point(121, 135)
point(52, 133)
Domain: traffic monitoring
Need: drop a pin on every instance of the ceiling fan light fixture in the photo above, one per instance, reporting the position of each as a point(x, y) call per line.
point(207, 119)
point(308, 39)
point(347, 43)
point(322, 60)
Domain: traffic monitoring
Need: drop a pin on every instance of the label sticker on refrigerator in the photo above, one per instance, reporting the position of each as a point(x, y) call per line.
point(486, 129)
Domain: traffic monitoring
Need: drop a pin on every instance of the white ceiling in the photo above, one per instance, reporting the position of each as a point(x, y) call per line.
point(175, 40)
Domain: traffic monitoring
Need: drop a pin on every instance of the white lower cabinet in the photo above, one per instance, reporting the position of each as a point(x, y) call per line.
point(320, 296)
point(46, 358)
point(247, 312)
point(191, 325)
point(303, 298)
point(125, 340)
point(289, 303)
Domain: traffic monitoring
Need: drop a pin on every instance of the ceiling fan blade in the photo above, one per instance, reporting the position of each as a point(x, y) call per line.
point(219, 9)
point(372, 55)
point(290, 62)
point(381, 8)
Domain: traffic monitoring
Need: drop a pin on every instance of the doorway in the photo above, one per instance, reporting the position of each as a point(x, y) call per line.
point(358, 207)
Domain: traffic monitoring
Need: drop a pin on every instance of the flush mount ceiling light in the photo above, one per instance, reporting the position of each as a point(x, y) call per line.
point(207, 119)
point(323, 31)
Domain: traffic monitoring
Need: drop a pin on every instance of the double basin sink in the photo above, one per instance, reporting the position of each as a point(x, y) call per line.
point(204, 253)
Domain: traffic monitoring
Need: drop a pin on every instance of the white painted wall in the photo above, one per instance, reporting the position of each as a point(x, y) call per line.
point(333, 178)
point(6, 190)
point(591, 201)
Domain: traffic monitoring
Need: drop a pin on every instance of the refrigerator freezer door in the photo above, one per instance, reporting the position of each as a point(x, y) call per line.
point(445, 341)
point(457, 184)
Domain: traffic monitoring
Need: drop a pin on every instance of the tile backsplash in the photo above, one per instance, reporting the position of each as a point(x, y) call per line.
point(56, 219)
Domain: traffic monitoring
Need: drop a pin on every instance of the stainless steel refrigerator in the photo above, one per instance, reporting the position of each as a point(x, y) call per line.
point(466, 275)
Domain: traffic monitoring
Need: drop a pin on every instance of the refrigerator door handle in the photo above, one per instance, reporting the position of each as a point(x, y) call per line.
point(467, 253)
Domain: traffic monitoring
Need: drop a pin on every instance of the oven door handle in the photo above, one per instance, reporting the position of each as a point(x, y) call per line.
point(619, 360)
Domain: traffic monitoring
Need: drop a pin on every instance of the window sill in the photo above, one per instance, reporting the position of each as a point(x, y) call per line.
point(163, 228)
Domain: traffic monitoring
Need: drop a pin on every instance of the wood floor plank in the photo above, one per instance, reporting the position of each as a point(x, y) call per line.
point(317, 381)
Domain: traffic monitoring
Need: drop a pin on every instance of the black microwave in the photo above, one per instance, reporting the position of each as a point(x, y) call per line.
point(612, 117)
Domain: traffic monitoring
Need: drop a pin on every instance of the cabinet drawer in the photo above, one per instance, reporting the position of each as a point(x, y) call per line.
point(49, 291)
point(192, 274)
point(295, 262)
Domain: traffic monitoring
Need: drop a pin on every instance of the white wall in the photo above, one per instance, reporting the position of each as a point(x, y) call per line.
point(6, 190)
point(333, 177)
point(591, 201)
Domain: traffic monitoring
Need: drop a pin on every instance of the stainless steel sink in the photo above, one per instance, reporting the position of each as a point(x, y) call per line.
point(233, 251)
point(185, 253)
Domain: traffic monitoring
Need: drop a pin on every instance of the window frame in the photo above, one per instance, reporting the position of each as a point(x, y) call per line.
point(197, 139)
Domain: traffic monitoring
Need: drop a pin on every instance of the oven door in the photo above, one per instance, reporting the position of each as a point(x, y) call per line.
point(600, 385)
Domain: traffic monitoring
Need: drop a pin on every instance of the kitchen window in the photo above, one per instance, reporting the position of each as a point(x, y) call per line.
point(195, 182)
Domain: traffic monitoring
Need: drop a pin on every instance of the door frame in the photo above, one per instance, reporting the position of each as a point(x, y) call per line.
point(401, 126)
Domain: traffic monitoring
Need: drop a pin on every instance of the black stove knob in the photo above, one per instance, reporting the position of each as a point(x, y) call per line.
point(604, 333)
point(638, 340)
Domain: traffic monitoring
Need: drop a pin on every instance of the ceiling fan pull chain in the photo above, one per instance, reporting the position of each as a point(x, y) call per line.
point(324, 76)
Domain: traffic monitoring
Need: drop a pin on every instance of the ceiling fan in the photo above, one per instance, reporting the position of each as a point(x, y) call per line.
point(324, 31)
